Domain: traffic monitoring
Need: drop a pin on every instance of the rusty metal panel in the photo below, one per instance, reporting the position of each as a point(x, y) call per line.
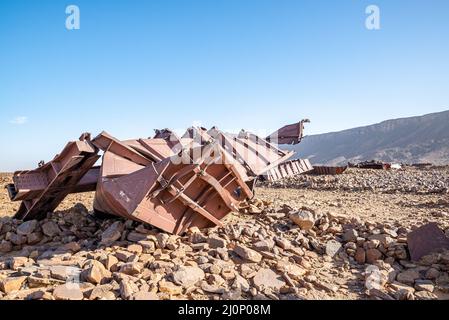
point(106, 142)
point(44, 188)
point(329, 170)
point(289, 169)
point(173, 195)
point(253, 153)
point(289, 134)
point(29, 185)
point(425, 240)
point(170, 182)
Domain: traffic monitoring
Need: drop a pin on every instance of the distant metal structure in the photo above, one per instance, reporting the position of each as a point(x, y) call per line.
point(326, 170)
point(289, 169)
point(170, 182)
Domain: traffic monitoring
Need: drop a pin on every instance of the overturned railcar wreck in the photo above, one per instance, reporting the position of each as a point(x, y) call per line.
point(170, 182)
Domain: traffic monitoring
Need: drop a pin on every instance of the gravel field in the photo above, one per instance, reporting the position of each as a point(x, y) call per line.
point(311, 237)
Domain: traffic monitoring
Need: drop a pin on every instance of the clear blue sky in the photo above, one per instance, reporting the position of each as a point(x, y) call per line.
point(256, 64)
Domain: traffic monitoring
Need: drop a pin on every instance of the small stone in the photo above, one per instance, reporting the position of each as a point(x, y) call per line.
point(294, 271)
point(268, 279)
point(145, 295)
point(162, 239)
point(50, 229)
point(215, 241)
point(5, 246)
point(195, 236)
point(34, 238)
point(169, 287)
point(432, 273)
point(241, 283)
point(110, 262)
point(331, 288)
point(135, 248)
point(68, 292)
point(102, 292)
point(283, 243)
point(212, 288)
point(303, 219)
point(264, 245)
point(127, 289)
point(11, 284)
point(374, 292)
point(425, 295)
point(188, 276)
point(17, 239)
point(333, 247)
point(147, 246)
point(64, 273)
point(123, 255)
point(247, 253)
point(72, 247)
point(96, 272)
point(27, 227)
point(131, 268)
point(16, 262)
point(424, 285)
point(350, 235)
point(408, 277)
point(112, 233)
point(79, 208)
point(135, 236)
point(216, 280)
point(373, 255)
point(403, 294)
point(360, 256)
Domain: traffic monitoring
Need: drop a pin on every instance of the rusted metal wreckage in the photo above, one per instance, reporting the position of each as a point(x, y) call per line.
point(327, 170)
point(171, 182)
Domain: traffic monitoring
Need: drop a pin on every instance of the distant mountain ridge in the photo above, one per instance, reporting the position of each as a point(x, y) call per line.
point(410, 140)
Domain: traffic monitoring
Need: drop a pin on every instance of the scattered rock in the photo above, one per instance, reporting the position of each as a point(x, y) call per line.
point(332, 248)
point(68, 292)
point(303, 219)
point(268, 279)
point(188, 276)
point(247, 253)
point(215, 241)
point(27, 227)
point(50, 229)
point(112, 234)
point(11, 284)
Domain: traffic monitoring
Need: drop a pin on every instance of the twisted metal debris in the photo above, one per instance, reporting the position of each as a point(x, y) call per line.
point(171, 182)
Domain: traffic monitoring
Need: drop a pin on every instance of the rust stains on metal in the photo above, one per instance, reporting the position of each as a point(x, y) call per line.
point(42, 190)
point(171, 182)
point(329, 170)
point(289, 134)
point(289, 169)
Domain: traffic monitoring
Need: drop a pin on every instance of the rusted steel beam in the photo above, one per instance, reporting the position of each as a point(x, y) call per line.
point(288, 169)
point(106, 142)
point(253, 153)
point(329, 170)
point(34, 185)
point(44, 188)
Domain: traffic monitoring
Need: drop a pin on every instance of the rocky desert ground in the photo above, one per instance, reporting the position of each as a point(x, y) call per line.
point(308, 237)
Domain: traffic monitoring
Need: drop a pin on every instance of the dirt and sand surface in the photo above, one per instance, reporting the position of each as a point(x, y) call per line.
point(354, 248)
